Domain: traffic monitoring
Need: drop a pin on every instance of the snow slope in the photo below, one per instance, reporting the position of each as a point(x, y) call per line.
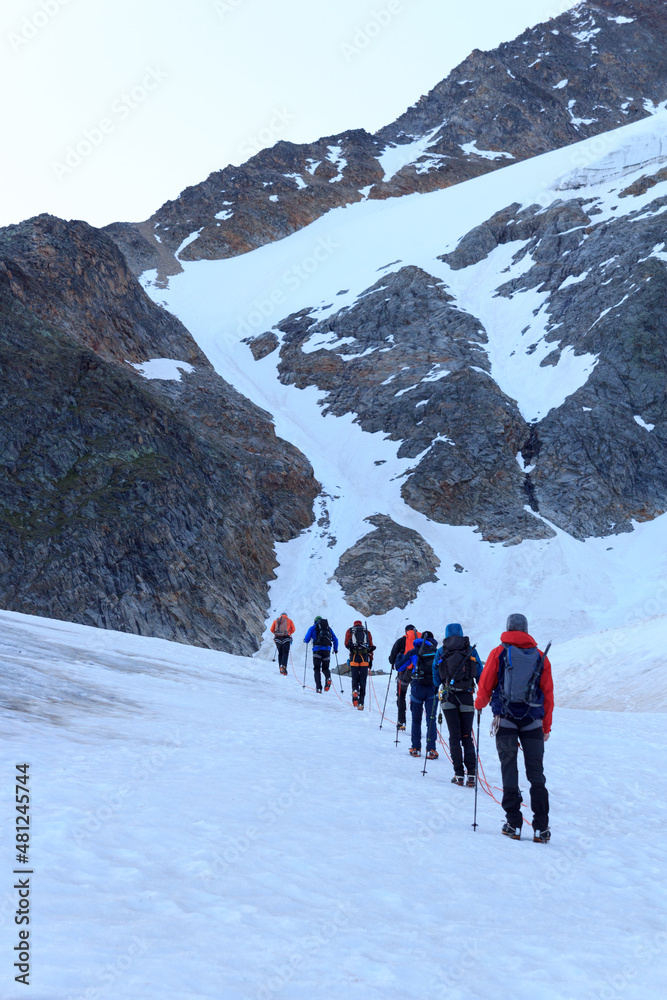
point(567, 588)
point(205, 828)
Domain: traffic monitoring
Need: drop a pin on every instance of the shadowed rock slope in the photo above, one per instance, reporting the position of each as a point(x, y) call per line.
point(144, 505)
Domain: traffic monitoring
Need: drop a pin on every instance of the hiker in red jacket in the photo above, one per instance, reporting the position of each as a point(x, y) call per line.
point(283, 630)
point(517, 681)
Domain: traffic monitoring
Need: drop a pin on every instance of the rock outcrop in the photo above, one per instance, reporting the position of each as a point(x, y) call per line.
point(144, 504)
point(600, 458)
point(385, 568)
point(596, 67)
point(410, 363)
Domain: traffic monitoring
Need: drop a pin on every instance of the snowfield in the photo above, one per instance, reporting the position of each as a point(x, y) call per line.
point(202, 827)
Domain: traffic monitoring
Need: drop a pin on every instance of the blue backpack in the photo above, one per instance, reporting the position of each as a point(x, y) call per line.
point(519, 682)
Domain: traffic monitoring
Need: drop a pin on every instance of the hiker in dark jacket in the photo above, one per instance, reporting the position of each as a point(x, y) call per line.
point(422, 693)
point(456, 670)
point(399, 652)
point(517, 681)
point(359, 642)
point(323, 637)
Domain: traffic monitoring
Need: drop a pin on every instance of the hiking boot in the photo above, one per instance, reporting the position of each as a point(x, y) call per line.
point(432, 754)
point(401, 727)
point(541, 836)
point(457, 779)
point(470, 781)
point(355, 699)
point(319, 690)
point(283, 670)
point(328, 684)
point(415, 752)
point(360, 706)
point(511, 832)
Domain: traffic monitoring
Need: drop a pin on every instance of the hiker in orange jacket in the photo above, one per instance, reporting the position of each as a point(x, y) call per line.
point(401, 651)
point(517, 681)
point(283, 630)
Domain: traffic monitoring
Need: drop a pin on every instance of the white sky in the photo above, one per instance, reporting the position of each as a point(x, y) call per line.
point(225, 77)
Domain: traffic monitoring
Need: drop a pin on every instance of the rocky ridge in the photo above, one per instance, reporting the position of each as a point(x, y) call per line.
point(594, 68)
point(144, 504)
point(409, 358)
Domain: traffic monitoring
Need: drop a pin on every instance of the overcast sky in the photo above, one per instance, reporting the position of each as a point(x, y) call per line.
point(113, 106)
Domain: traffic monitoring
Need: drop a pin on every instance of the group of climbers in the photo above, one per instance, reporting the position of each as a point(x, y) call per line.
point(516, 679)
point(358, 642)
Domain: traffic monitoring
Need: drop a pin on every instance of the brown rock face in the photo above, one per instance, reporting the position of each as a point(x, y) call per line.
point(144, 505)
point(385, 568)
point(575, 76)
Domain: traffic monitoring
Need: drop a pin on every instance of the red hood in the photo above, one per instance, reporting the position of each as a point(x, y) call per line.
point(521, 639)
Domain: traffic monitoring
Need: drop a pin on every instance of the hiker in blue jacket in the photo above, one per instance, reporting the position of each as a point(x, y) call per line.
point(456, 669)
point(323, 637)
point(422, 693)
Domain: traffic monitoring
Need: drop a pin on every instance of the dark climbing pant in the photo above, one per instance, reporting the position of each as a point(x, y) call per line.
point(532, 742)
point(461, 745)
point(422, 699)
point(401, 692)
point(283, 646)
point(359, 675)
point(321, 659)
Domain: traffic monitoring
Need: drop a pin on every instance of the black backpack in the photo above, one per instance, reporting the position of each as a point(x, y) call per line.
point(422, 672)
point(457, 665)
point(520, 672)
point(359, 637)
point(322, 633)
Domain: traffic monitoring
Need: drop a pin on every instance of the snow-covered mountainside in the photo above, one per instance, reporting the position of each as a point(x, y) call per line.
point(204, 828)
point(482, 364)
point(596, 67)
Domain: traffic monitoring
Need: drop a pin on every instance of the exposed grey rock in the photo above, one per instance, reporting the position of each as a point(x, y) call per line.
point(385, 568)
point(147, 506)
point(597, 469)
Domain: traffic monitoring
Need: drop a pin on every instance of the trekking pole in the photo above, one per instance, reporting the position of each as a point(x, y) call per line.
point(369, 689)
point(340, 678)
point(387, 695)
point(275, 650)
point(428, 729)
point(305, 664)
point(474, 822)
